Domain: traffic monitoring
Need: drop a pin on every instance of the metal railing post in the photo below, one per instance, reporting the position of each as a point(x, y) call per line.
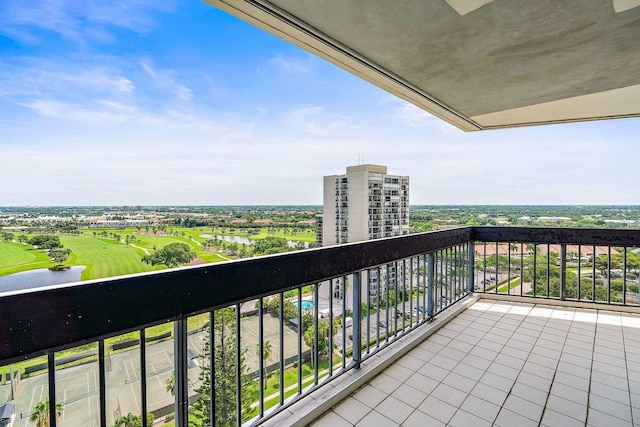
point(470, 265)
point(430, 266)
point(143, 377)
point(563, 272)
point(357, 318)
point(51, 371)
point(102, 383)
point(180, 372)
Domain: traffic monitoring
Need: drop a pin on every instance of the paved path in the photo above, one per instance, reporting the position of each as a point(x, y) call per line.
point(146, 251)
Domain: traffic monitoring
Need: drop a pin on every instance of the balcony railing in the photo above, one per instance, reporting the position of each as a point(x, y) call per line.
point(267, 331)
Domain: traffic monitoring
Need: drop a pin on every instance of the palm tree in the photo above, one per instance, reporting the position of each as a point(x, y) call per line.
point(128, 420)
point(40, 413)
point(266, 353)
point(170, 384)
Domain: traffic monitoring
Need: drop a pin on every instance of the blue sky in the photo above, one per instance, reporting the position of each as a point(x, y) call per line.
point(148, 103)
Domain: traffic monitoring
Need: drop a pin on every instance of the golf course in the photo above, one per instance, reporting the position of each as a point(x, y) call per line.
point(115, 252)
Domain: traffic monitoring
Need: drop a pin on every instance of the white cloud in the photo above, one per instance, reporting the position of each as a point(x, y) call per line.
point(292, 64)
point(414, 116)
point(166, 80)
point(31, 78)
point(307, 118)
point(76, 21)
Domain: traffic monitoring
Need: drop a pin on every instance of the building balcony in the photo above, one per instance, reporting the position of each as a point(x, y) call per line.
point(478, 324)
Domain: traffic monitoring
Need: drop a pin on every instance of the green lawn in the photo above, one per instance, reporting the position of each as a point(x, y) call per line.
point(303, 236)
point(513, 284)
point(16, 257)
point(105, 257)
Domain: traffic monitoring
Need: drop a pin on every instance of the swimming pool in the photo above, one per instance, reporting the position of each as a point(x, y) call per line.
point(306, 304)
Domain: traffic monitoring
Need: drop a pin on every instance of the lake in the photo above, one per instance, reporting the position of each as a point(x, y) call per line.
point(40, 277)
point(245, 240)
point(236, 239)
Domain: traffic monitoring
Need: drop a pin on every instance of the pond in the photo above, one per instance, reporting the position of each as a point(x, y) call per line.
point(246, 240)
point(41, 277)
point(236, 239)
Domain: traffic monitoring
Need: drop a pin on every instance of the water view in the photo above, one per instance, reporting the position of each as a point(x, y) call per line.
point(247, 241)
point(234, 239)
point(40, 277)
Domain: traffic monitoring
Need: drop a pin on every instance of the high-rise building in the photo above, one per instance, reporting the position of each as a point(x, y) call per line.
point(366, 203)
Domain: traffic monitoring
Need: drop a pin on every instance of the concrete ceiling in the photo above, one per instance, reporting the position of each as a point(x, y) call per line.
point(478, 64)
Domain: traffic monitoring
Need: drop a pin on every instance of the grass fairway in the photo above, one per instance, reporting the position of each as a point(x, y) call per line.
point(15, 257)
point(105, 257)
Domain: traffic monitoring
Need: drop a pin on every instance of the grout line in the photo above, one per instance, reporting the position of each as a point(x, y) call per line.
point(593, 353)
point(626, 365)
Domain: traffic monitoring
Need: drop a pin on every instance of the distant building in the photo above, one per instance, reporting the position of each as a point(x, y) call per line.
point(319, 225)
point(366, 203)
point(553, 218)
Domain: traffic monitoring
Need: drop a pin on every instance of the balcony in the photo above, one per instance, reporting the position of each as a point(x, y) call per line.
point(478, 324)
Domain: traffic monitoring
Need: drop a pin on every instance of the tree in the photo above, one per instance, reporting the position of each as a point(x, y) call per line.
point(270, 245)
point(44, 241)
point(59, 255)
point(603, 265)
point(126, 421)
point(323, 335)
point(23, 239)
point(7, 236)
point(266, 353)
point(40, 413)
point(544, 265)
point(289, 310)
point(170, 384)
point(224, 378)
point(171, 255)
point(131, 420)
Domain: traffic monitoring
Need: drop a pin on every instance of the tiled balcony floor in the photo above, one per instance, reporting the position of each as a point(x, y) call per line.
point(509, 364)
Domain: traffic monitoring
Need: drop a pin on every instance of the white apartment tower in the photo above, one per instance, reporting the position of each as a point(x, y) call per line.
point(364, 204)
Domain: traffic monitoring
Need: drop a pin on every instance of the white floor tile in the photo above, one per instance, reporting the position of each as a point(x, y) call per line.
point(420, 419)
point(332, 420)
point(409, 395)
point(370, 396)
point(395, 409)
point(374, 418)
point(438, 409)
point(352, 410)
point(465, 419)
